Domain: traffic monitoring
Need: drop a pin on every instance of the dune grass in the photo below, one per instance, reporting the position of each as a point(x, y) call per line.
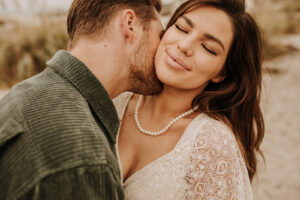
point(25, 49)
point(277, 18)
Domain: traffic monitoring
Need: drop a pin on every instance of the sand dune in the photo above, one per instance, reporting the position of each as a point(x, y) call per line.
point(279, 177)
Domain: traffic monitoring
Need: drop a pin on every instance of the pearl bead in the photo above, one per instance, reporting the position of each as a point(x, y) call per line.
point(165, 128)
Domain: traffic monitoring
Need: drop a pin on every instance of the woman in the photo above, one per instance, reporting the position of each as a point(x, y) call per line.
point(199, 137)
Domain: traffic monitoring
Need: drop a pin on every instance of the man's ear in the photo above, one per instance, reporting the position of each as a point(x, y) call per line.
point(128, 23)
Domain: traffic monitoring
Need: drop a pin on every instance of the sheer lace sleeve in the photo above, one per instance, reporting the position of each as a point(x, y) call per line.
point(216, 169)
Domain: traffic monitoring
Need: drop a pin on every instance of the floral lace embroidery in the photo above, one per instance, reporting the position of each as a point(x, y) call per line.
point(216, 169)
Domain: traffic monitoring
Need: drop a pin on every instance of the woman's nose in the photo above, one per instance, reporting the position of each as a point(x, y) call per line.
point(186, 47)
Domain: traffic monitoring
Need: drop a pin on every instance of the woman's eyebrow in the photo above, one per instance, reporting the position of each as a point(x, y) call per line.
point(213, 38)
point(206, 35)
point(188, 21)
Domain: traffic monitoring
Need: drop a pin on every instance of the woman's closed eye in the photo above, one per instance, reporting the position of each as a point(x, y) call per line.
point(180, 28)
point(209, 50)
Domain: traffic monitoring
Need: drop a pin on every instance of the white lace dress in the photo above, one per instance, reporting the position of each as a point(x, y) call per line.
point(206, 163)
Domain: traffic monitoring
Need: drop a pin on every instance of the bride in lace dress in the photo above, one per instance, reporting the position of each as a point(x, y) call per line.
point(199, 137)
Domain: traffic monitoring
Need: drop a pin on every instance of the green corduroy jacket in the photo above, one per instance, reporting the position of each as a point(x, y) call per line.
point(57, 136)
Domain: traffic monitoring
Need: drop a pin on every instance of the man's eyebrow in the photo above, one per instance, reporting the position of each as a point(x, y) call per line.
point(210, 37)
point(188, 21)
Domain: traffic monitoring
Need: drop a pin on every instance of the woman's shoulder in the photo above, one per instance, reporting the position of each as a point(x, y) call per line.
point(215, 133)
point(207, 123)
point(215, 162)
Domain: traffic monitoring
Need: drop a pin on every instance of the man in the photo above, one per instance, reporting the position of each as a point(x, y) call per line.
point(58, 129)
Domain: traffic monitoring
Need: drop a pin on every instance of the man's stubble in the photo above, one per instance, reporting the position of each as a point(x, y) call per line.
point(143, 78)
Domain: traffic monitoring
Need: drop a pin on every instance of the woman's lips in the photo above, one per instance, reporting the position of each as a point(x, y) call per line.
point(176, 62)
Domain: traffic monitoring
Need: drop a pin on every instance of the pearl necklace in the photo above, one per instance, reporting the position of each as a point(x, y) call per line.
point(156, 133)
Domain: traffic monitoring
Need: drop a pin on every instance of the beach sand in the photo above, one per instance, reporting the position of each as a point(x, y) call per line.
point(279, 177)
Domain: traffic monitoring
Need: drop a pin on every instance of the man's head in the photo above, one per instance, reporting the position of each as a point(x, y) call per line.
point(95, 20)
point(91, 17)
point(142, 77)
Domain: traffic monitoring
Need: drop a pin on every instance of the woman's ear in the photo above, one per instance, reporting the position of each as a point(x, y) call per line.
point(218, 78)
point(128, 23)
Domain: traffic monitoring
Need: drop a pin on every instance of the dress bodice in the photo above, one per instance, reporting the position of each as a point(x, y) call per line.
point(206, 163)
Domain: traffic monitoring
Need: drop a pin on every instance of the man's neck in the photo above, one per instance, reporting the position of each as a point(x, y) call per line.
point(101, 59)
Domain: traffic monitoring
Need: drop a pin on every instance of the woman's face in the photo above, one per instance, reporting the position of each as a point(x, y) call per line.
point(193, 51)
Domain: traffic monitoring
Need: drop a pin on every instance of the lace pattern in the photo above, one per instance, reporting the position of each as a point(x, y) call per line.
point(216, 168)
point(206, 163)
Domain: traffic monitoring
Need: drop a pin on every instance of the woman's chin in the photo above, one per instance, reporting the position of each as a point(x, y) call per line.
point(162, 77)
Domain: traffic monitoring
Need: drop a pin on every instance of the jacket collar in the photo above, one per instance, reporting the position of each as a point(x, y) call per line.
point(90, 87)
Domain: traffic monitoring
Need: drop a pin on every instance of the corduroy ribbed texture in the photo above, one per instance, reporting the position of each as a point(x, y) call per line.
point(57, 136)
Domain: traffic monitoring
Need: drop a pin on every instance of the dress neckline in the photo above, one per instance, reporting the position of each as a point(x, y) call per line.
point(181, 139)
point(183, 136)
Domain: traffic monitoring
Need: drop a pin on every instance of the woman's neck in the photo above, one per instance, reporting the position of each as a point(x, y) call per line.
point(171, 102)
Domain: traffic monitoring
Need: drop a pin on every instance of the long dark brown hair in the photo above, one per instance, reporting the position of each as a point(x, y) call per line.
point(235, 100)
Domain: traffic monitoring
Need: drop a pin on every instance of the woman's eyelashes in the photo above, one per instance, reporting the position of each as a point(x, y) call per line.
point(203, 45)
point(180, 29)
point(209, 50)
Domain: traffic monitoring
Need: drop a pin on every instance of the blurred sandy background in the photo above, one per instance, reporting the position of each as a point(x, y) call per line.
point(31, 31)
